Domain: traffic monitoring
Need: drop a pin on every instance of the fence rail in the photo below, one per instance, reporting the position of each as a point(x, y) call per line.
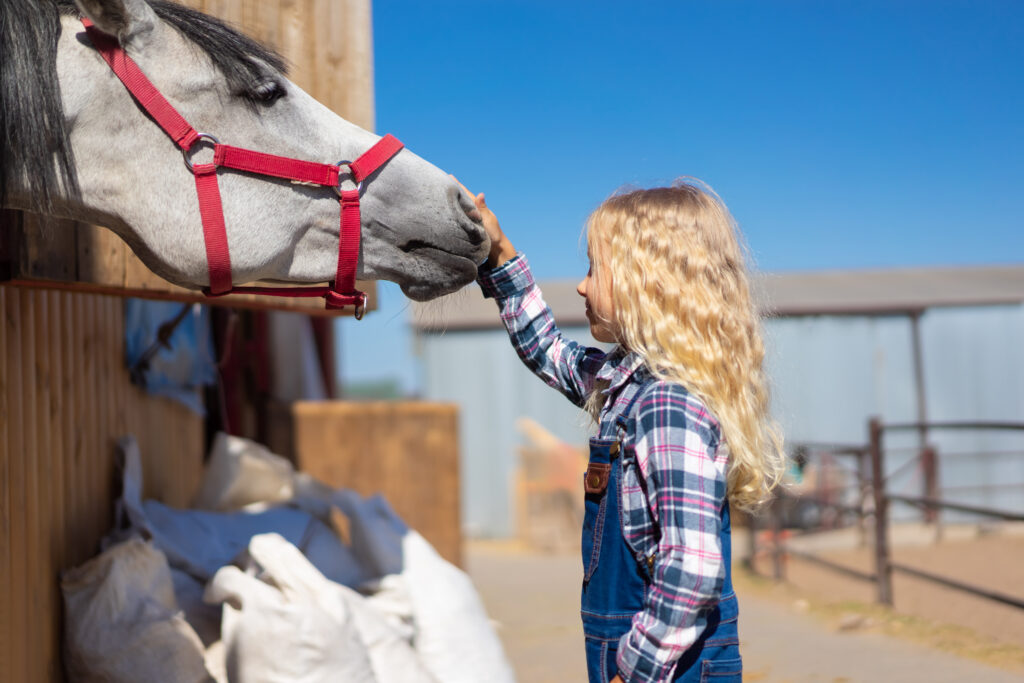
point(873, 502)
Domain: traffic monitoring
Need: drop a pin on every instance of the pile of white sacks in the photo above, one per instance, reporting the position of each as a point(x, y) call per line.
point(273, 578)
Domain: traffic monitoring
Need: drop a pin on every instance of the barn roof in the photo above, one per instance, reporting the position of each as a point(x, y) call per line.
point(896, 291)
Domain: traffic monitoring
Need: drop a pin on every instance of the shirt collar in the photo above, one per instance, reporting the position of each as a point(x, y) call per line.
point(619, 366)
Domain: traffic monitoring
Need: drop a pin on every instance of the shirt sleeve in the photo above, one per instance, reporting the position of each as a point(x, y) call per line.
point(562, 363)
point(678, 456)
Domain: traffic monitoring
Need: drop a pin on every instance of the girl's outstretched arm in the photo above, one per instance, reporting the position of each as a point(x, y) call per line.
point(562, 363)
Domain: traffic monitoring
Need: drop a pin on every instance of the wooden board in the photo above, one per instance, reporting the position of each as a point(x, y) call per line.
point(407, 451)
point(65, 398)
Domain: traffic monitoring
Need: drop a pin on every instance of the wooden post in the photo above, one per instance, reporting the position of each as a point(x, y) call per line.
point(749, 560)
point(883, 569)
point(930, 470)
point(930, 482)
point(919, 388)
point(778, 570)
point(863, 485)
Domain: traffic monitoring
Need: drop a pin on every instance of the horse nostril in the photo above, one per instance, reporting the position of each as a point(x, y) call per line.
point(476, 233)
point(475, 229)
point(467, 205)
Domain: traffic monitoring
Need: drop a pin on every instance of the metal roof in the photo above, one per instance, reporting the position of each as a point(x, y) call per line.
point(896, 291)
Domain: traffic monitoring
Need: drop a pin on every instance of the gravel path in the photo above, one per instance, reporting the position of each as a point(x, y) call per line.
point(534, 598)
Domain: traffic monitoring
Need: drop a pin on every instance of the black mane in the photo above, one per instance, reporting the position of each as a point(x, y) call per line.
point(34, 138)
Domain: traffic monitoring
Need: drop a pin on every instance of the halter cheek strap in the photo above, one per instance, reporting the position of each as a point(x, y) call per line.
point(342, 291)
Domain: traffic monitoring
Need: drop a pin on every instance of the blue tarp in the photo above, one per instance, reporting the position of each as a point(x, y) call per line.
point(178, 372)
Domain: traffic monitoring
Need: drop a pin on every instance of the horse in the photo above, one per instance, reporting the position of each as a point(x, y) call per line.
point(75, 144)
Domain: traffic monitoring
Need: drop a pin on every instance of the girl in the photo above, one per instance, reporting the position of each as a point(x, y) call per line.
point(683, 431)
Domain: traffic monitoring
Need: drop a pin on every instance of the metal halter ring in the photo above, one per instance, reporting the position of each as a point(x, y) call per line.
point(337, 188)
point(360, 307)
point(203, 137)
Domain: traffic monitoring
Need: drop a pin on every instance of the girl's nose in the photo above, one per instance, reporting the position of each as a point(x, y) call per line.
point(581, 288)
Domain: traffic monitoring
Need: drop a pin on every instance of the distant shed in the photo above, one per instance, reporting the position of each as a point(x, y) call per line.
point(934, 343)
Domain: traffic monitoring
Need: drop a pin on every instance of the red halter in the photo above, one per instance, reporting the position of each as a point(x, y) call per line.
point(342, 291)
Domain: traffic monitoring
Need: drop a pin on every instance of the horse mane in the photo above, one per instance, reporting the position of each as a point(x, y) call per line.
point(34, 138)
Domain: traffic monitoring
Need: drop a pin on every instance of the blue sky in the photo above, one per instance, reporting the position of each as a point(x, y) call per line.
point(840, 134)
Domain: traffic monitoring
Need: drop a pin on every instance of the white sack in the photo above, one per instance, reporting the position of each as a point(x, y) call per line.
point(279, 634)
point(453, 636)
point(240, 472)
point(393, 659)
point(122, 623)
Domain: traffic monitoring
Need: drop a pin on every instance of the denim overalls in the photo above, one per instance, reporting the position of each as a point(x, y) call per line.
point(615, 582)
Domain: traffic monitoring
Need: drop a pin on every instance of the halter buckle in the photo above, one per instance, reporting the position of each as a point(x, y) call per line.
point(187, 153)
point(347, 172)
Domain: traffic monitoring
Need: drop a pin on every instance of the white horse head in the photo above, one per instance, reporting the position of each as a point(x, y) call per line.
point(117, 168)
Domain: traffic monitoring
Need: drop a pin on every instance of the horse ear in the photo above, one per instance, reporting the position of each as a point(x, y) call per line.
point(128, 20)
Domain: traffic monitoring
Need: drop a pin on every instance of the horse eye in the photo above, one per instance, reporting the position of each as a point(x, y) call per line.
point(268, 92)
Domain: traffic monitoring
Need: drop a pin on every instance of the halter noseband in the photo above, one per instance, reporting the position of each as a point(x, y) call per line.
point(342, 291)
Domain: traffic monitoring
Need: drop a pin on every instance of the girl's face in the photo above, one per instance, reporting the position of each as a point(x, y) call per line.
point(596, 289)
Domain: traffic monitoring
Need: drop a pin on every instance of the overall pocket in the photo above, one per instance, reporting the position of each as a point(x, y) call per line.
point(722, 670)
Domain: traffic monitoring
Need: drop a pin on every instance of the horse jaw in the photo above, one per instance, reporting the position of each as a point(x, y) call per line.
point(417, 228)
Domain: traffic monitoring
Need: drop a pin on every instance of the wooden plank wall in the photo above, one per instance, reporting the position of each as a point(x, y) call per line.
point(408, 451)
point(65, 398)
point(328, 46)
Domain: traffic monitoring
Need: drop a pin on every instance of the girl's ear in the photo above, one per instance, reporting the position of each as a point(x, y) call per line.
point(127, 20)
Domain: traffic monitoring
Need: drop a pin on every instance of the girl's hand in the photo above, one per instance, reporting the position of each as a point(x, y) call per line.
point(501, 249)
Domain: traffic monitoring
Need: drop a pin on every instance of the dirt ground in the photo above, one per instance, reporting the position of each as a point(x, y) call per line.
point(987, 557)
point(816, 626)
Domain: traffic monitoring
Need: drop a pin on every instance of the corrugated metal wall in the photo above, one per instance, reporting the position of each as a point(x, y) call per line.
point(65, 397)
point(481, 373)
point(830, 374)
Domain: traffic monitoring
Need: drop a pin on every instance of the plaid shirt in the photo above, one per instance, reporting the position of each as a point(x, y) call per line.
point(674, 480)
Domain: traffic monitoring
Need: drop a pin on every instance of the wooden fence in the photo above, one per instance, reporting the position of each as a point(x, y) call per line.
point(862, 495)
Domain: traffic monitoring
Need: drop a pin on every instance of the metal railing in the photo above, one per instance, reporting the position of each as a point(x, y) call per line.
point(871, 504)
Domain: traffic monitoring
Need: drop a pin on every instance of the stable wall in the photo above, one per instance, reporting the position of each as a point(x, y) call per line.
point(65, 398)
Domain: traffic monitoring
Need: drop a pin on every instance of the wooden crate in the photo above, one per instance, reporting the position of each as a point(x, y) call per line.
point(407, 451)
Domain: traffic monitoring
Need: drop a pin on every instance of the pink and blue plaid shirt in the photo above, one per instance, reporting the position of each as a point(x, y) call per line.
point(673, 489)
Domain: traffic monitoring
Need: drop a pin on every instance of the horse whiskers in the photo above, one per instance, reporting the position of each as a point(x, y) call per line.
point(433, 314)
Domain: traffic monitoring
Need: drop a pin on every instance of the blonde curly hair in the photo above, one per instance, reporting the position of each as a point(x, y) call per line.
point(681, 300)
